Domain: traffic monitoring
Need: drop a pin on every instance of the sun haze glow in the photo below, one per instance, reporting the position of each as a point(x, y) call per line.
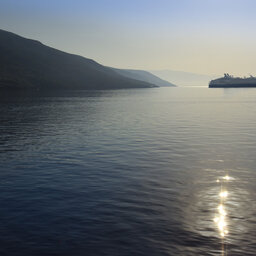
point(203, 36)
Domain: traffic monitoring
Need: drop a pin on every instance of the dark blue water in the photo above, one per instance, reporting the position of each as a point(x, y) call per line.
point(128, 172)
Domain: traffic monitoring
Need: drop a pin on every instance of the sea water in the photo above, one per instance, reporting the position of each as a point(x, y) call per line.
point(128, 172)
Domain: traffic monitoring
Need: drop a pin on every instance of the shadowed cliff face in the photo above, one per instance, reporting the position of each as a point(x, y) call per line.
point(29, 64)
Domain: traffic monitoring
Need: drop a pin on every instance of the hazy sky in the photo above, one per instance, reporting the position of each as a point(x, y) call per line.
point(203, 36)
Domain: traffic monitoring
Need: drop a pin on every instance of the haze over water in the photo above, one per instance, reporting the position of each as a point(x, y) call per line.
point(129, 172)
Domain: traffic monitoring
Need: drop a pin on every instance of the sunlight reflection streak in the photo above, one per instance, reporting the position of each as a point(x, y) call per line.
point(221, 217)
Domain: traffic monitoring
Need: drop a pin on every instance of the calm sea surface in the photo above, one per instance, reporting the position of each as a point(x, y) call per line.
point(129, 172)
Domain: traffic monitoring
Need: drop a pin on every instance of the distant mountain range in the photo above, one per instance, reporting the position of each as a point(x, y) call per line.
point(28, 64)
point(142, 75)
point(181, 78)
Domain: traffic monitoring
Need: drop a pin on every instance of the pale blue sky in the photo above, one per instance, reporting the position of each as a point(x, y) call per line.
point(203, 36)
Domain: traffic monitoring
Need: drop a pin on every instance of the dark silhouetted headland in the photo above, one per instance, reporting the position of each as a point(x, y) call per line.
point(28, 64)
point(229, 81)
point(143, 75)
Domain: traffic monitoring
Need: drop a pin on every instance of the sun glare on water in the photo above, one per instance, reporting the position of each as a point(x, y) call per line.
point(223, 194)
point(221, 215)
point(226, 177)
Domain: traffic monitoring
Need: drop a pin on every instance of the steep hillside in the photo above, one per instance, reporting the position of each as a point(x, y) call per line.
point(28, 64)
point(142, 75)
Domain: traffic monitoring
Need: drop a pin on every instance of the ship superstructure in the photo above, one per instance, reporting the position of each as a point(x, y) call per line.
point(230, 81)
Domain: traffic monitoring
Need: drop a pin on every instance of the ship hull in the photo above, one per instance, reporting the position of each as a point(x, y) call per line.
point(242, 85)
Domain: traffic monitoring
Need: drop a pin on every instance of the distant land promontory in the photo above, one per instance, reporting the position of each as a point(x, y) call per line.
point(143, 75)
point(182, 78)
point(229, 81)
point(29, 65)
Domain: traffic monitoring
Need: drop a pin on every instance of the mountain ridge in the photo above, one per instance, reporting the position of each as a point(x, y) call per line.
point(29, 64)
point(143, 75)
